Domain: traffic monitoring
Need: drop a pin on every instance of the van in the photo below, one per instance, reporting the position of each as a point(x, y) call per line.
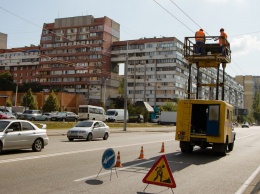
point(116, 115)
point(136, 118)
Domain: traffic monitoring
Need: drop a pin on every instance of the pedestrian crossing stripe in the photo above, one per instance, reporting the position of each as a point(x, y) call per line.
point(160, 174)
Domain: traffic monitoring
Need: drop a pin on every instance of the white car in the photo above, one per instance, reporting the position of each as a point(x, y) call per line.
point(245, 125)
point(22, 134)
point(88, 130)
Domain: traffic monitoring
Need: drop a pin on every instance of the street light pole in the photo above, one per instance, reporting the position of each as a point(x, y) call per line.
point(125, 87)
point(16, 91)
point(104, 95)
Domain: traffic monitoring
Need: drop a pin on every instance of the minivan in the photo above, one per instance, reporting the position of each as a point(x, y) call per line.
point(116, 115)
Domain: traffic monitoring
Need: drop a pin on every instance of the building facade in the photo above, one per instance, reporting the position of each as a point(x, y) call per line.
point(157, 72)
point(251, 86)
point(75, 56)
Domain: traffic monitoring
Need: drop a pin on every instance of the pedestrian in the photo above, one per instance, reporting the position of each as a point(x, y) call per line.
point(223, 42)
point(200, 42)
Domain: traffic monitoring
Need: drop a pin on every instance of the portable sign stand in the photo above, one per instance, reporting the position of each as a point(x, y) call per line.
point(160, 174)
point(108, 161)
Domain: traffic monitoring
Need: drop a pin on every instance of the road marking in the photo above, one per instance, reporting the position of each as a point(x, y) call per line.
point(248, 181)
point(92, 176)
point(74, 152)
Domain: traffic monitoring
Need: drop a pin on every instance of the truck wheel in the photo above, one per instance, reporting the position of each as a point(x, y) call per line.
point(230, 146)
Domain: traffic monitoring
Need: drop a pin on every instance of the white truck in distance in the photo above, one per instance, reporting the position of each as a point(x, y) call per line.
point(166, 117)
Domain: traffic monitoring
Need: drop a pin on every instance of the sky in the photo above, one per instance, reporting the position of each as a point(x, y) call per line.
point(22, 21)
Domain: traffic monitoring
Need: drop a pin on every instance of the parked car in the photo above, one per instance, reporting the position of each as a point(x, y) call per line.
point(30, 115)
point(4, 115)
point(65, 116)
point(135, 118)
point(21, 134)
point(12, 116)
point(245, 125)
point(88, 130)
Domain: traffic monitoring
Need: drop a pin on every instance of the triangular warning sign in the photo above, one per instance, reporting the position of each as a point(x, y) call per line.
point(160, 174)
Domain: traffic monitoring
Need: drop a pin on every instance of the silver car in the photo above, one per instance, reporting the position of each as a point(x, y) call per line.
point(88, 130)
point(22, 134)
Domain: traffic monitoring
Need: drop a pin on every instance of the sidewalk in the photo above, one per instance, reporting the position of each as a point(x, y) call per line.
point(165, 129)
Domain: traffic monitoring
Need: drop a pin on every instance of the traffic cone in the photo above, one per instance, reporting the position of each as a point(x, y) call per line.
point(118, 162)
point(162, 149)
point(141, 153)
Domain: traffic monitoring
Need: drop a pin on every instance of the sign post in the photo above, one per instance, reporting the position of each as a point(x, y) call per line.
point(108, 160)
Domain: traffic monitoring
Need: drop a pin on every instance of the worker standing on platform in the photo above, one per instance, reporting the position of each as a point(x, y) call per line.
point(223, 42)
point(200, 42)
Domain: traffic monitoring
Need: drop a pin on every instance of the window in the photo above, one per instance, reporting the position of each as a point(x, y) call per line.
point(27, 126)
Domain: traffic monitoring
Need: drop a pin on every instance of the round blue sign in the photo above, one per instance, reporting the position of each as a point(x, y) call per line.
point(108, 158)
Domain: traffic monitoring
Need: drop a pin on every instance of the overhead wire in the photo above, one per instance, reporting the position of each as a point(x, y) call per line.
point(198, 26)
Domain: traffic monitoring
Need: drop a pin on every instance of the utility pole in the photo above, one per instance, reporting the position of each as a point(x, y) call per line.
point(125, 87)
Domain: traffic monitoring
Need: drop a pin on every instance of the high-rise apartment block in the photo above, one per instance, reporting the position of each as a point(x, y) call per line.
point(75, 56)
point(157, 72)
point(3, 41)
point(251, 85)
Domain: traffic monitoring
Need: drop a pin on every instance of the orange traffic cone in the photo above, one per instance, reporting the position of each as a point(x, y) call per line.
point(162, 149)
point(118, 162)
point(141, 153)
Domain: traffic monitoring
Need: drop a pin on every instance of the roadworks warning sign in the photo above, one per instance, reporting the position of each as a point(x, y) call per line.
point(160, 174)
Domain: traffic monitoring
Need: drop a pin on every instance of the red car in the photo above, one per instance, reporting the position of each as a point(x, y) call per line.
point(4, 116)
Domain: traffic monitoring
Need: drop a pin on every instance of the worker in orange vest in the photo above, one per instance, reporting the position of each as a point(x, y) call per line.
point(223, 42)
point(200, 42)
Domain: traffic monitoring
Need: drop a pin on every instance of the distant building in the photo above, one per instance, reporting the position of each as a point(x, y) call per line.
point(251, 86)
point(3, 41)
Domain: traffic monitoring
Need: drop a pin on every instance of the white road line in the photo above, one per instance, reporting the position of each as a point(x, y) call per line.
point(248, 181)
point(75, 152)
point(89, 177)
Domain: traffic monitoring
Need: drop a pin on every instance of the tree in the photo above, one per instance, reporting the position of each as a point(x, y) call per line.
point(169, 106)
point(29, 101)
point(121, 86)
point(51, 104)
point(256, 107)
point(6, 80)
point(8, 103)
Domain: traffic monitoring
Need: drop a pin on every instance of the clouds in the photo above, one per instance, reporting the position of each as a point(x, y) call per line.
point(244, 45)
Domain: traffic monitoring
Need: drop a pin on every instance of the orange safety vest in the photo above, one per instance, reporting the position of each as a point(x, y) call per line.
point(223, 39)
point(200, 36)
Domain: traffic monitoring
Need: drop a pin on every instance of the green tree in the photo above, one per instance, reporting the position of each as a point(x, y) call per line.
point(8, 103)
point(168, 106)
point(51, 104)
point(121, 86)
point(256, 107)
point(29, 101)
point(6, 80)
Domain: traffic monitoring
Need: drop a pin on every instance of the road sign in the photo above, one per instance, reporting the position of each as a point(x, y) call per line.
point(108, 158)
point(160, 174)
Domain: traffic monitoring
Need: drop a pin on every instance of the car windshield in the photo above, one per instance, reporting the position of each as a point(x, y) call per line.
point(84, 124)
point(110, 112)
point(62, 114)
point(3, 125)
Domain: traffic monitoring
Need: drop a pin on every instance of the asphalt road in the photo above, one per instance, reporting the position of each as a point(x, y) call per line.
point(72, 167)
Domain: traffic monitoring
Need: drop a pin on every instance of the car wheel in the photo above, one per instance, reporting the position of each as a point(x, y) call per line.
point(89, 137)
point(46, 119)
point(70, 139)
point(32, 119)
point(37, 145)
point(63, 120)
point(105, 136)
point(75, 120)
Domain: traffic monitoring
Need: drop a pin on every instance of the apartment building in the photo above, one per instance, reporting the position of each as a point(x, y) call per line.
point(157, 72)
point(3, 41)
point(251, 85)
point(22, 63)
point(75, 56)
